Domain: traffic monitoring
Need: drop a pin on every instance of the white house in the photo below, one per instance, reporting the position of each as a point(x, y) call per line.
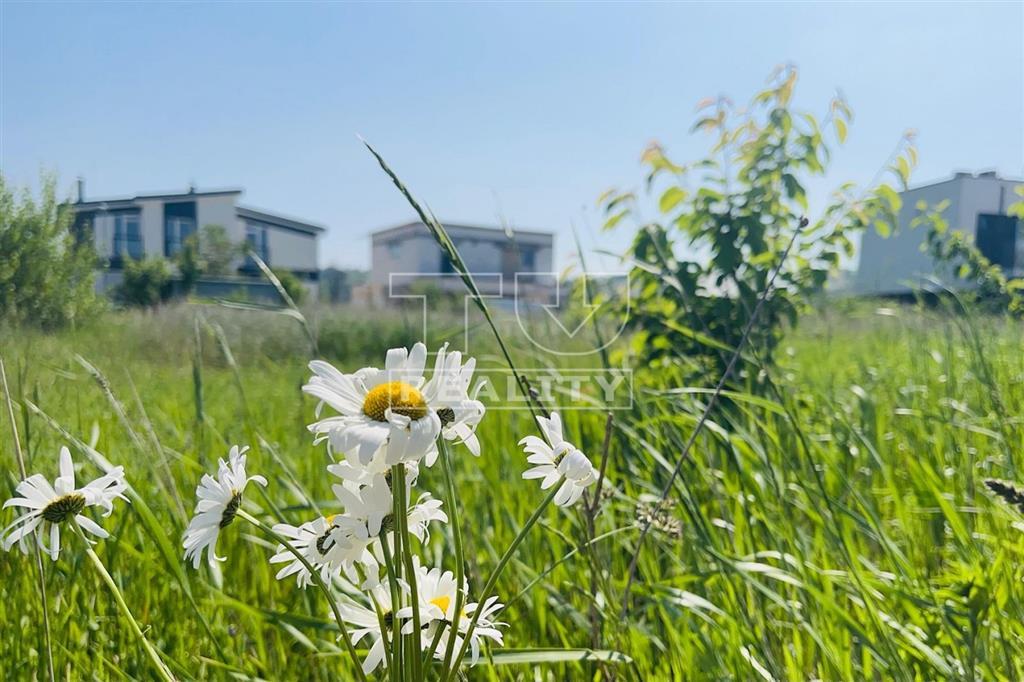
point(503, 263)
point(977, 206)
point(157, 224)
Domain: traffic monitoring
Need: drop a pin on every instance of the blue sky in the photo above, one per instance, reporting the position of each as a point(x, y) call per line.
point(521, 112)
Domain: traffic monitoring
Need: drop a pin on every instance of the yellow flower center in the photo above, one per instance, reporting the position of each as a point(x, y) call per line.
point(399, 396)
point(442, 603)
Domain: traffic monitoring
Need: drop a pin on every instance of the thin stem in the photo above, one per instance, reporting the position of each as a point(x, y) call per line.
point(460, 562)
point(403, 523)
point(684, 456)
point(39, 556)
point(590, 514)
point(165, 674)
point(396, 603)
point(315, 575)
point(448, 246)
point(592, 509)
point(429, 655)
point(491, 581)
point(550, 569)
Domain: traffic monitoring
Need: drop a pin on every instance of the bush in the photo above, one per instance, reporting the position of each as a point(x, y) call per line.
point(190, 264)
point(147, 282)
point(46, 274)
point(291, 285)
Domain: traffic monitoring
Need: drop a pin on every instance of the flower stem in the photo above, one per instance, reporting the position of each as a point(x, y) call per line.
point(161, 668)
point(315, 575)
point(395, 667)
point(403, 526)
point(460, 562)
point(493, 579)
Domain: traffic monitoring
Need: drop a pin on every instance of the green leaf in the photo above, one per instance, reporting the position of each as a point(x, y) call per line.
point(891, 197)
point(840, 130)
point(614, 220)
point(695, 335)
point(902, 169)
point(671, 198)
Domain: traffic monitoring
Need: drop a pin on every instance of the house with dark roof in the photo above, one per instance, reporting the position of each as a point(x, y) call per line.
point(505, 263)
point(158, 224)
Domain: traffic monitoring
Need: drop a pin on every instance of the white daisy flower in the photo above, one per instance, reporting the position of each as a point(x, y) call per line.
point(486, 628)
point(422, 514)
point(365, 623)
point(558, 461)
point(219, 500)
point(437, 591)
point(317, 542)
point(53, 505)
point(371, 504)
point(378, 410)
point(369, 518)
point(353, 549)
point(355, 476)
point(448, 392)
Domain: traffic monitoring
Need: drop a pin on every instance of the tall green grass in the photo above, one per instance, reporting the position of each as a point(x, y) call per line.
point(834, 528)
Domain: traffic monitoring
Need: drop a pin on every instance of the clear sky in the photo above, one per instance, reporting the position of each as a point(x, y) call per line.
point(520, 112)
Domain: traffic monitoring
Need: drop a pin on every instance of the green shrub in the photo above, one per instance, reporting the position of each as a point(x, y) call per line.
point(147, 282)
point(190, 264)
point(291, 285)
point(46, 274)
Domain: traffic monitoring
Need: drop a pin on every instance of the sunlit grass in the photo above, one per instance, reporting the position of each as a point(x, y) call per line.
point(837, 528)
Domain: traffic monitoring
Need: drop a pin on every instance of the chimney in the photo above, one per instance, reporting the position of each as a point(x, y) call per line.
point(81, 189)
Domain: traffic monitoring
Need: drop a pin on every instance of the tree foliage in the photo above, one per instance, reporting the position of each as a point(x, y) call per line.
point(725, 225)
point(46, 274)
point(217, 251)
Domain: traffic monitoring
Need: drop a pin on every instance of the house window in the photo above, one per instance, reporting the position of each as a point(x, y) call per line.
point(256, 240)
point(528, 258)
point(127, 236)
point(176, 230)
point(446, 264)
point(996, 238)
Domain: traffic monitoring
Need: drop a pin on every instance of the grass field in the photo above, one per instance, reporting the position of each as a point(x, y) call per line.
point(835, 527)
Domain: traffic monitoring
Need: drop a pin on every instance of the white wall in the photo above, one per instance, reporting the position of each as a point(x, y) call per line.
point(220, 210)
point(291, 250)
point(406, 254)
point(151, 226)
